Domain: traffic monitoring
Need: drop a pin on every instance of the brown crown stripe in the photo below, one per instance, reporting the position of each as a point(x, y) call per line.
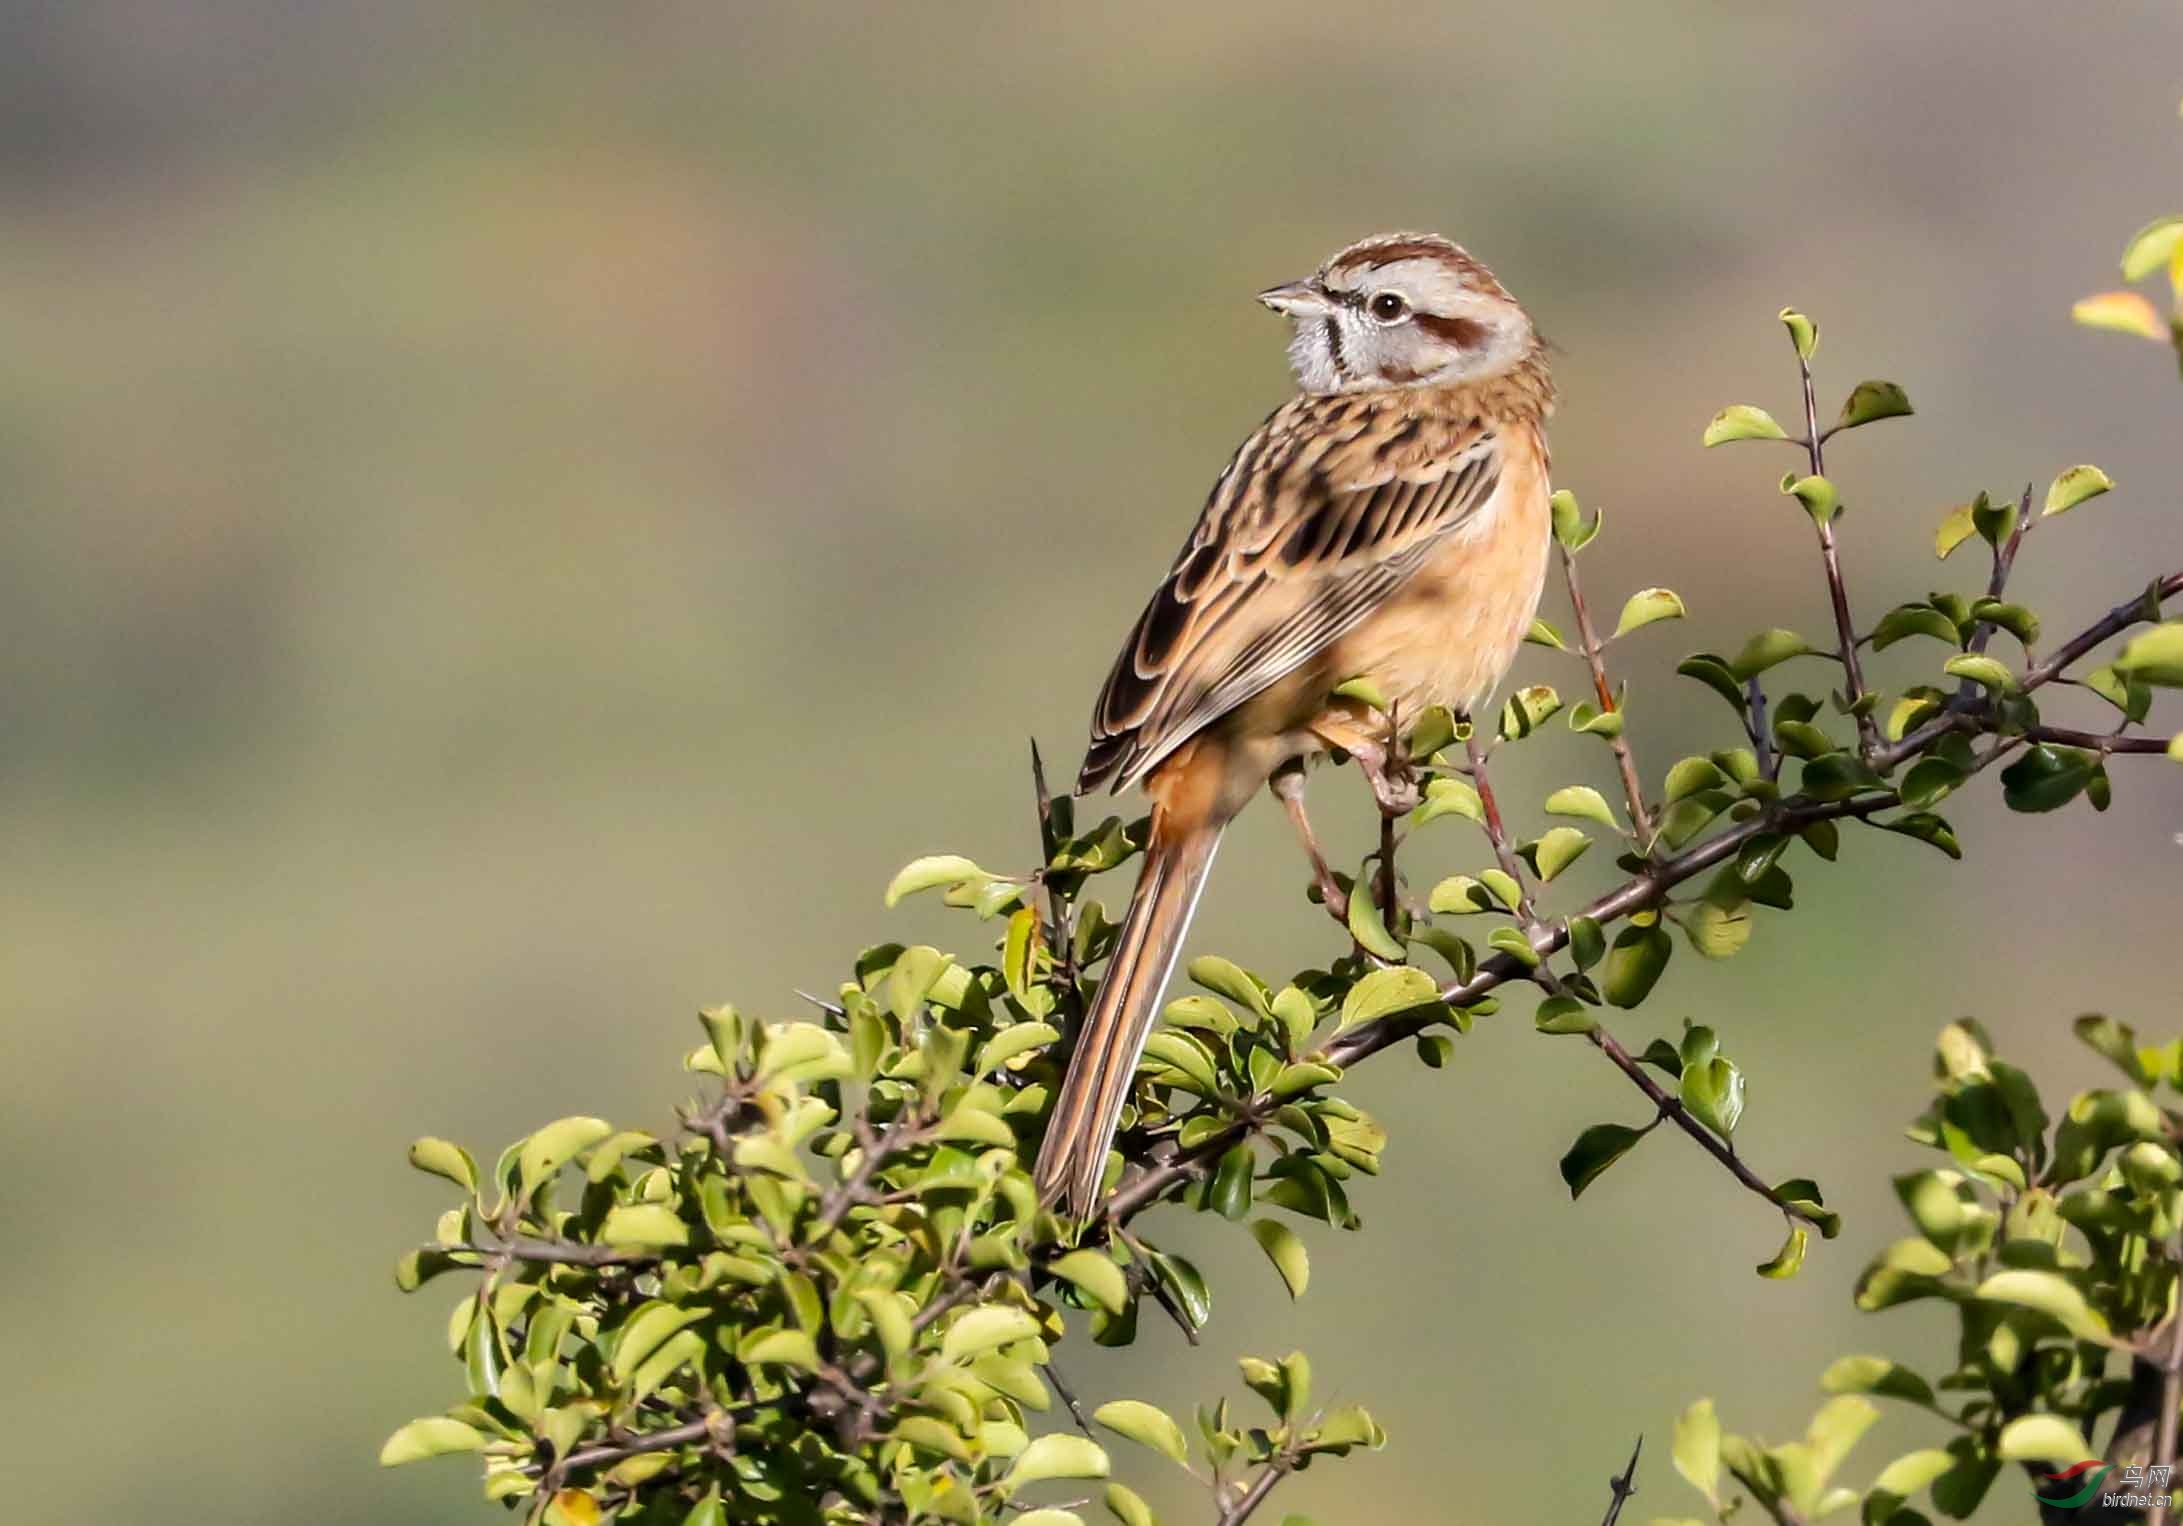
point(1401, 249)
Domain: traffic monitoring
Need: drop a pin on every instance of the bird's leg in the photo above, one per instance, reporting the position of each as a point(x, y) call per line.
point(1379, 753)
point(1287, 785)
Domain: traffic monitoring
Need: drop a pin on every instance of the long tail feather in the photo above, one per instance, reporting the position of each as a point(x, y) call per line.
point(1080, 1129)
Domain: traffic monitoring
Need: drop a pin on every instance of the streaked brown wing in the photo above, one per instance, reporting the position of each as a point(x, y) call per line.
point(1322, 514)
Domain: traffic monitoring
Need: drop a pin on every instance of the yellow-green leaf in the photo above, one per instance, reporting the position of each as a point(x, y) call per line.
point(932, 872)
point(2151, 247)
point(1146, 1424)
point(2074, 487)
point(1286, 1251)
point(1584, 801)
point(2120, 312)
point(1803, 333)
point(433, 1436)
point(983, 1329)
point(1871, 401)
point(1400, 988)
point(2042, 1438)
point(1742, 421)
point(1097, 1275)
point(1060, 1455)
point(1648, 605)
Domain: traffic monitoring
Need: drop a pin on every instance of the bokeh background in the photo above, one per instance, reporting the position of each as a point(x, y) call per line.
point(514, 520)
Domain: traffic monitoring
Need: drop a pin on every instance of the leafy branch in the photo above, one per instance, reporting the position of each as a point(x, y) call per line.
point(832, 1296)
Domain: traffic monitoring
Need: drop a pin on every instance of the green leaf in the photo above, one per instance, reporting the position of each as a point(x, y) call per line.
point(1712, 1093)
point(1838, 776)
point(1224, 978)
point(1987, 672)
point(1060, 1455)
point(1789, 1260)
point(1583, 801)
point(1180, 1052)
point(1097, 1275)
point(433, 1436)
point(986, 1329)
point(1361, 688)
point(1460, 895)
point(932, 872)
point(1871, 401)
point(1907, 1474)
point(1019, 1038)
point(1914, 620)
point(1765, 650)
point(643, 1224)
point(1542, 633)
point(778, 1348)
point(553, 1147)
point(1597, 1148)
point(1634, 964)
point(1556, 851)
point(647, 1331)
point(1877, 1375)
point(1717, 931)
point(2046, 778)
point(1956, 527)
point(438, 1157)
point(1563, 1014)
point(1286, 1251)
point(2120, 312)
point(1646, 606)
point(2150, 248)
point(1587, 943)
point(2115, 1042)
point(1527, 710)
point(1229, 1192)
point(1817, 494)
point(1569, 527)
point(1401, 988)
point(2050, 1294)
point(1449, 797)
point(2074, 487)
point(1147, 1425)
point(1803, 333)
point(1513, 942)
point(2042, 1438)
point(1696, 1448)
point(1742, 421)
point(1126, 1506)
point(2155, 656)
point(1367, 926)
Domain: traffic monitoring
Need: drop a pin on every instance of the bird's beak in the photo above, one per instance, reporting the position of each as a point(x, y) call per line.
point(1298, 299)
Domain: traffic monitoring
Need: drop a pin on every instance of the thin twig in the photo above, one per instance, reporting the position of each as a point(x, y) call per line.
point(2171, 1400)
point(1633, 791)
point(1624, 1485)
point(553, 1252)
point(1250, 1499)
point(1868, 735)
point(1672, 1109)
point(1060, 1385)
point(2004, 559)
point(2096, 741)
point(1754, 725)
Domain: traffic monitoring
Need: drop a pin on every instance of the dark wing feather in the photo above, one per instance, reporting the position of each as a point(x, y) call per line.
point(1320, 517)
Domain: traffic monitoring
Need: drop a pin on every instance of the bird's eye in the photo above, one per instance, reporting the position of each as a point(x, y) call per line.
point(1389, 307)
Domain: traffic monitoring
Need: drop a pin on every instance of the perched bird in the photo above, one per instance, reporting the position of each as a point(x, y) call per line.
point(1391, 522)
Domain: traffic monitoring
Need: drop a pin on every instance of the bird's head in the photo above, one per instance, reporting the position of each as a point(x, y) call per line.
point(1400, 310)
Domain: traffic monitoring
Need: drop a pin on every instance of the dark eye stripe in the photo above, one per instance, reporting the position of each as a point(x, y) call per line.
point(1334, 348)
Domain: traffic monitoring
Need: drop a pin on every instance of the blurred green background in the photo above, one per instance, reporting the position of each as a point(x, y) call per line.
point(515, 520)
